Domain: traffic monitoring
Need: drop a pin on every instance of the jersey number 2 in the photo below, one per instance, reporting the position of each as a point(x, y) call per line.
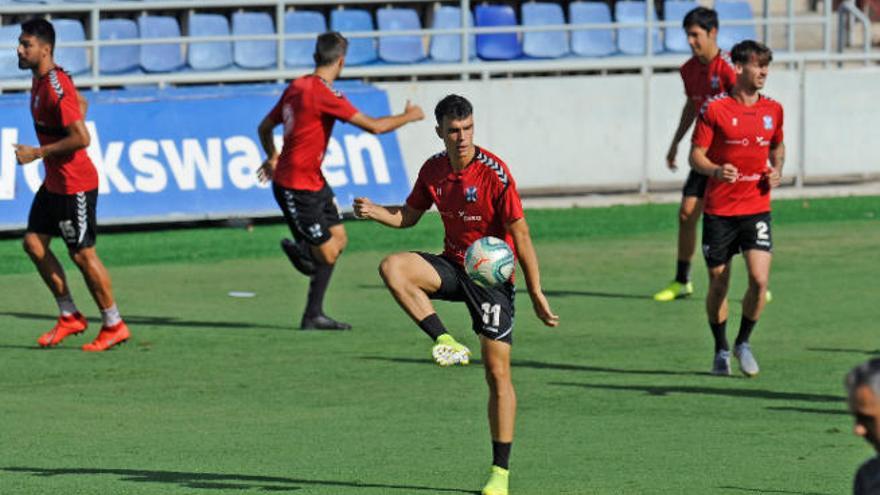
point(762, 229)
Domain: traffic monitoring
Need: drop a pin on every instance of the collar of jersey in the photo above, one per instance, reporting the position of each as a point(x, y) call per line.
point(456, 176)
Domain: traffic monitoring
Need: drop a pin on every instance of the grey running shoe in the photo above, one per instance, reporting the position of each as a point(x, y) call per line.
point(747, 363)
point(721, 363)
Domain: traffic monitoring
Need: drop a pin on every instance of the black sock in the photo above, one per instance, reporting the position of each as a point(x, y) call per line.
point(317, 289)
point(719, 332)
point(501, 454)
point(745, 330)
point(682, 271)
point(432, 326)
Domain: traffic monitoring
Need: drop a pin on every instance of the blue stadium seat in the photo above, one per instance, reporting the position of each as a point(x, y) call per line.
point(734, 11)
point(8, 58)
point(591, 42)
point(447, 47)
point(73, 59)
point(501, 46)
point(549, 44)
point(165, 57)
point(400, 49)
point(121, 58)
point(674, 37)
point(360, 50)
point(298, 53)
point(254, 54)
point(214, 55)
point(631, 41)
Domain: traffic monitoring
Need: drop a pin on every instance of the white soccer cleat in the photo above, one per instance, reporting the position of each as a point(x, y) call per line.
point(747, 363)
point(721, 363)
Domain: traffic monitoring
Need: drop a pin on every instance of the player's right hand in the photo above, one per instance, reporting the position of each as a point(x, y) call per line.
point(363, 207)
point(729, 173)
point(542, 309)
point(670, 157)
point(267, 170)
point(413, 111)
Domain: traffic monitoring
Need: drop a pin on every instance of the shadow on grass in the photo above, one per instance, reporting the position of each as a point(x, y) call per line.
point(840, 412)
point(564, 293)
point(769, 490)
point(220, 481)
point(550, 366)
point(724, 392)
point(845, 351)
point(157, 321)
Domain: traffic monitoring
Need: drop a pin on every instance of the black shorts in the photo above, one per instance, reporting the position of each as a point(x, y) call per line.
point(70, 216)
point(724, 237)
point(695, 185)
point(309, 214)
point(491, 309)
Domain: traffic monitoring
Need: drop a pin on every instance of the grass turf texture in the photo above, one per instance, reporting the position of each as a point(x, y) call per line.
point(221, 395)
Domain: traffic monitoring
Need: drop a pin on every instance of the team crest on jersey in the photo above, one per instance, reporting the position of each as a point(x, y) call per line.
point(470, 194)
point(715, 82)
point(768, 122)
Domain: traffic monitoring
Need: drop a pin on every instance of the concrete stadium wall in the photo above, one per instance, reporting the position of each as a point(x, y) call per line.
point(588, 133)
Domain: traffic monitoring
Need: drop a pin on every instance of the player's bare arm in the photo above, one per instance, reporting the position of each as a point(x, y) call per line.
point(777, 161)
point(703, 165)
point(77, 138)
point(398, 217)
point(381, 125)
point(83, 104)
point(528, 260)
point(688, 115)
point(267, 140)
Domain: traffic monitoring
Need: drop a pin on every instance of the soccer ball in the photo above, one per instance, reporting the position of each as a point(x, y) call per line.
point(489, 261)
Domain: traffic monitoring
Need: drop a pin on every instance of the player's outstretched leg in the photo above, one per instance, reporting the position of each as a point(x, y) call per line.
point(114, 331)
point(688, 218)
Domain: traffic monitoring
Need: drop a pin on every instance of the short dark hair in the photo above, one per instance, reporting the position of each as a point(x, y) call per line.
point(40, 29)
point(329, 48)
point(453, 106)
point(702, 17)
point(742, 52)
point(867, 373)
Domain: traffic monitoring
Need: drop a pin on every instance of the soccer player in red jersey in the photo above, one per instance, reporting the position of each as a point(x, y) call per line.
point(707, 73)
point(308, 108)
point(65, 204)
point(735, 137)
point(476, 197)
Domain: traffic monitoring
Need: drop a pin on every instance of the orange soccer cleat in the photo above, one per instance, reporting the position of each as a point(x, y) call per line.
point(66, 326)
point(108, 337)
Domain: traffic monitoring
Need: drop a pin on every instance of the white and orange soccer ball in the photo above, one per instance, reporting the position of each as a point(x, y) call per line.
point(489, 261)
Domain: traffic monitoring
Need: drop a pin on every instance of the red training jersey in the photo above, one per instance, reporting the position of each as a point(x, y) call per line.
point(479, 201)
point(703, 81)
point(742, 136)
point(55, 107)
point(308, 109)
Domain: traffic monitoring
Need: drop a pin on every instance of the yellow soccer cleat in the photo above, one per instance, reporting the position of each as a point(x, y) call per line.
point(675, 290)
point(497, 484)
point(448, 352)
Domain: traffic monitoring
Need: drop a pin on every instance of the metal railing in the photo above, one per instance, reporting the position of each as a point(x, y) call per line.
point(464, 68)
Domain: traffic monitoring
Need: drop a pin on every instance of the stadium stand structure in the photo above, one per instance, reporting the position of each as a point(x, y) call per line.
point(189, 41)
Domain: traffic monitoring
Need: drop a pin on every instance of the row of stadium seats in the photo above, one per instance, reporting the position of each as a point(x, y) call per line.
point(261, 55)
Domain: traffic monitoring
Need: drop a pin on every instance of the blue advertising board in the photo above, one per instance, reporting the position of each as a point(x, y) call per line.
point(193, 153)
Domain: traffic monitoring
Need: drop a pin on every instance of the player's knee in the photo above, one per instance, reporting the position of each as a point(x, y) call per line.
point(498, 376)
point(82, 257)
point(389, 270)
point(32, 246)
point(758, 282)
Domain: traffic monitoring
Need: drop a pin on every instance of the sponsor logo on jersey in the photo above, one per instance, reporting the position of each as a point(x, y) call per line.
point(761, 141)
point(715, 82)
point(743, 141)
point(734, 121)
point(768, 122)
point(470, 194)
point(469, 218)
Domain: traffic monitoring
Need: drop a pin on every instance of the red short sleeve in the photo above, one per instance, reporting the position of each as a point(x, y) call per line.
point(705, 130)
point(69, 107)
point(509, 204)
point(777, 134)
point(335, 104)
point(420, 198)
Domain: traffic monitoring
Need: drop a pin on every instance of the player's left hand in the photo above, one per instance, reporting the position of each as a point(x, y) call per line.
point(25, 154)
point(542, 309)
point(774, 177)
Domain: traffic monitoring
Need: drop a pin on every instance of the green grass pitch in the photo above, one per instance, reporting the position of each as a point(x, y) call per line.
point(218, 395)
